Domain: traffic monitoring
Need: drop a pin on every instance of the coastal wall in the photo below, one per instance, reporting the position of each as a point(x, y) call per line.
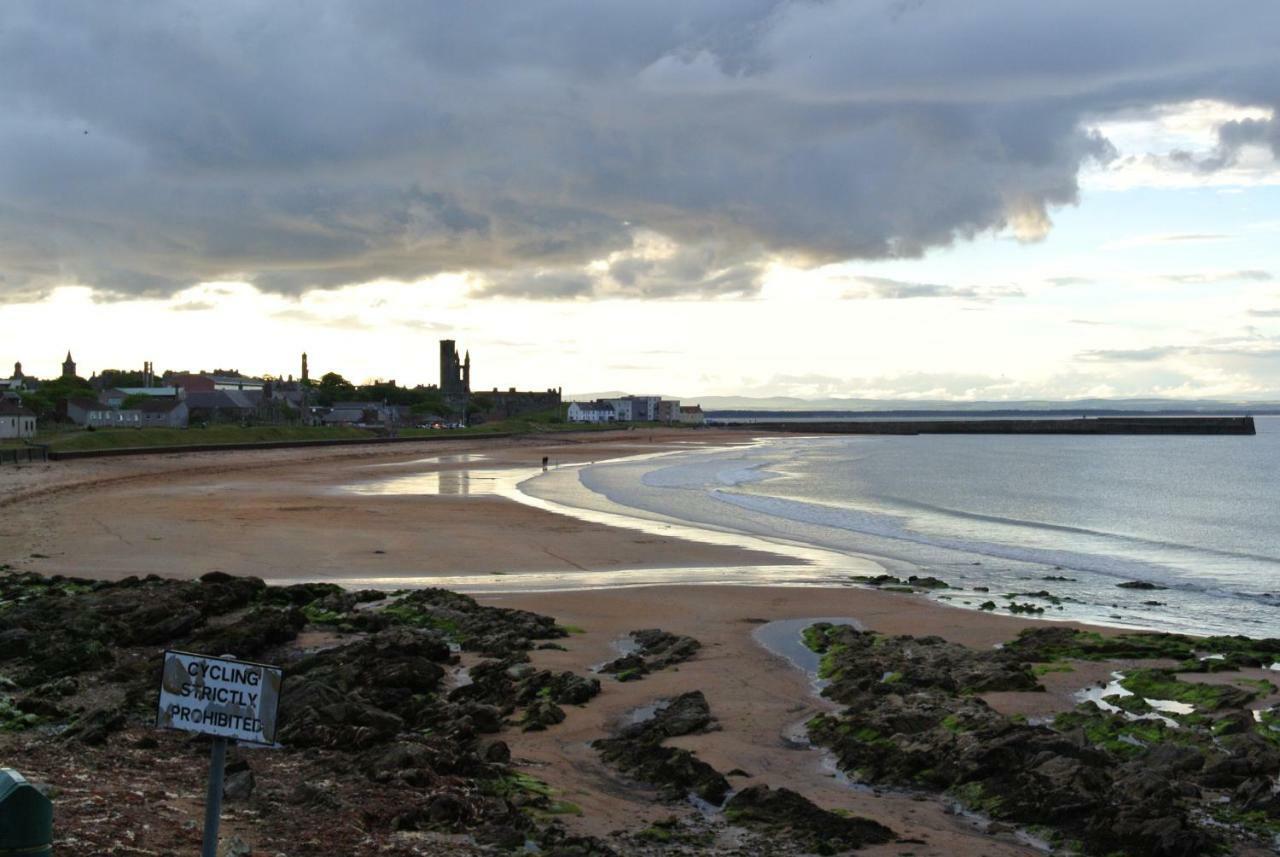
point(1100, 425)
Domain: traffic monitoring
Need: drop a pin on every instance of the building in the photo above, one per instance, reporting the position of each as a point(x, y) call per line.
point(190, 382)
point(455, 378)
point(636, 408)
point(455, 389)
point(16, 422)
point(208, 382)
point(68, 367)
point(669, 411)
point(105, 416)
point(692, 415)
point(79, 409)
point(115, 397)
point(514, 403)
point(164, 413)
point(17, 382)
point(367, 414)
point(592, 412)
point(221, 406)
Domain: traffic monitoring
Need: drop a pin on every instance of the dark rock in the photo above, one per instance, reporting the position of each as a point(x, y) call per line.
point(540, 714)
point(1173, 760)
point(1233, 723)
point(238, 785)
point(95, 726)
point(40, 707)
point(1140, 584)
point(14, 642)
point(786, 815)
point(313, 796)
point(927, 582)
point(637, 750)
point(497, 751)
point(658, 650)
point(252, 634)
point(633, 666)
point(910, 720)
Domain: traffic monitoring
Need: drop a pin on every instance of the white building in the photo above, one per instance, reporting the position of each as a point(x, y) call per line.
point(109, 417)
point(16, 422)
point(592, 412)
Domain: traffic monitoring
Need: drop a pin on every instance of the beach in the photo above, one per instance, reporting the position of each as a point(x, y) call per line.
point(306, 515)
point(280, 514)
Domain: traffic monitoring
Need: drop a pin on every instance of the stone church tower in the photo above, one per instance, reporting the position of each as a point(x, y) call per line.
point(68, 367)
point(455, 377)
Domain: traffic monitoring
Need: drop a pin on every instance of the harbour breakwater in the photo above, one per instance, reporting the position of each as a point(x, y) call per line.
point(1086, 425)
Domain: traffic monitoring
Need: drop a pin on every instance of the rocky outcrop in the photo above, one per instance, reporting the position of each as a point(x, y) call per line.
point(637, 750)
point(656, 650)
point(376, 701)
point(787, 816)
point(1115, 783)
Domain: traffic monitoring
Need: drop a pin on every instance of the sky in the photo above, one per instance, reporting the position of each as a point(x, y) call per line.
point(889, 199)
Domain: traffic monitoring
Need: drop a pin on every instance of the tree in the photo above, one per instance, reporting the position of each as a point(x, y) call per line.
point(44, 402)
point(334, 388)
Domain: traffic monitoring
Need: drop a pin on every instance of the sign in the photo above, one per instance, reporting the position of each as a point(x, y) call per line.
point(222, 697)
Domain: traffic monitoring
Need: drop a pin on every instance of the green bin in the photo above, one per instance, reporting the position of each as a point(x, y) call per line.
point(26, 818)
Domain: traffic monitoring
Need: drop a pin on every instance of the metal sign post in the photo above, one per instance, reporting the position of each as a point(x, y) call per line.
point(213, 798)
point(227, 699)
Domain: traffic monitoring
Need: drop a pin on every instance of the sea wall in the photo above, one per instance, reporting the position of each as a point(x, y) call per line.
point(1099, 425)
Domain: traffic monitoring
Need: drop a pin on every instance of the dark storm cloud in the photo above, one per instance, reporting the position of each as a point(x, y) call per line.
point(302, 145)
point(1234, 137)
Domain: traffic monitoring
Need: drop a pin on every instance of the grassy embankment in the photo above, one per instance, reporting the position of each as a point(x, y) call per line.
point(70, 439)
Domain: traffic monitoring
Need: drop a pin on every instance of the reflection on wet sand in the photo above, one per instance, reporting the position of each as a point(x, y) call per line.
point(561, 492)
point(453, 482)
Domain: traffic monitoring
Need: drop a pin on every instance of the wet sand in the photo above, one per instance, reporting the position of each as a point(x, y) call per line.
point(284, 514)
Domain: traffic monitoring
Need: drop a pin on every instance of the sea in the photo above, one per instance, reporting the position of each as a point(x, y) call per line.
point(1055, 522)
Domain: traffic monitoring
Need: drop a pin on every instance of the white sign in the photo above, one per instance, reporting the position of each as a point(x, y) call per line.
point(223, 697)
